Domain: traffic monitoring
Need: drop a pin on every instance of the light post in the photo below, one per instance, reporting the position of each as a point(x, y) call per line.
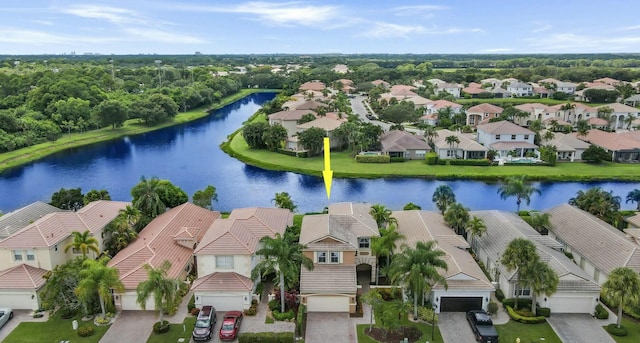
point(433, 322)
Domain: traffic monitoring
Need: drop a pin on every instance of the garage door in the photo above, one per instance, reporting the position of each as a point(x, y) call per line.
point(222, 302)
point(18, 301)
point(571, 304)
point(327, 303)
point(460, 304)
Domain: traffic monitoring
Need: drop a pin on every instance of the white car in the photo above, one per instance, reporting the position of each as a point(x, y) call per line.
point(5, 315)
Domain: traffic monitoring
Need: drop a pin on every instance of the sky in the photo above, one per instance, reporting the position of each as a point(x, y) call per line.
point(313, 27)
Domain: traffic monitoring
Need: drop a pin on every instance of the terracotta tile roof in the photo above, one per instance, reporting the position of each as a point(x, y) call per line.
point(532, 107)
point(16, 220)
point(504, 127)
point(402, 92)
point(620, 108)
point(294, 115)
point(439, 104)
point(307, 105)
point(380, 82)
point(223, 281)
point(540, 90)
point(22, 276)
point(157, 243)
point(609, 140)
point(396, 88)
point(346, 82)
point(474, 85)
point(597, 121)
point(325, 123)
point(559, 121)
point(328, 279)
point(55, 227)
point(608, 80)
point(485, 108)
point(397, 140)
point(474, 90)
point(312, 86)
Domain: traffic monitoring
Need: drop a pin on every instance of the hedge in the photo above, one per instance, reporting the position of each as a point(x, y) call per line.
point(482, 162)
point(431, 158)
point(397, 159)
point(601, 312)
point(499, 295)
point(616, 331)
point(266, 337)
point(277, 315)
point(373, 158)
point(302, 309)
point(522, 302)
point(191, 304)
point(161, 327)
point(544, 311)
point(85, 331)
point(522, 319)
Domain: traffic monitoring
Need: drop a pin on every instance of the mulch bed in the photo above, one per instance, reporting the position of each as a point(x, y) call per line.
point(378, 334)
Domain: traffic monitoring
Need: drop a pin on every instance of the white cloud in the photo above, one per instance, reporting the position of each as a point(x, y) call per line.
point(384, 30)
point(630, 28)
point(541, 28)
point(43, 22)
point(418, 10)
point(114, 15)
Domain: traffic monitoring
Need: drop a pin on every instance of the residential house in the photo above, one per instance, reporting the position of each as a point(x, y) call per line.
point(569, 147)
point(451, 88)
point(493, 81)
point(633, 221)
point(574, 113)
point(429, 119)
point(289, 119)
point(340, 69)
point(436, 82)
point(608, 81)
point(347, 85)
point(468, 148)
point(437, 105)
point(315, 86)
point(566, 87)
point(623, 147)
point(620, 114)
point(536, 111)
point(382, 83)
point(506, 138)
point(467, 286)
point(597, 247)
point(41, 244)
point(499, 92)
point(520, 89)
point(327, 123)
point(397, 143)
point(474, 91)
point(633, 100)
point(598, 123)
point(172, 236)
point(20, 287)
point(226, 256)
point(482, 113)
point(305, 105)
point(542, 92)
point(339, 243)
point(577, 292)
point(16, 220)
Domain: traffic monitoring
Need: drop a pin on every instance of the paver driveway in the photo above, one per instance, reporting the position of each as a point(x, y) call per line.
point(323, 327)
point(455, 328)
point(131, 327)
point(578, 328)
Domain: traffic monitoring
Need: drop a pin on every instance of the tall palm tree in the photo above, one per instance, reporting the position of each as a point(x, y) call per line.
point(452, 141)
point(283, 200)
point(418, 269)
point(568, 107)
point(541, 279)
point(605, 113)
point(283, 257)
point(548, 135)
point(540, 221)
point(519, 255)
point(163, 289)
point(517, 186)
point(97, 278)
point(598, 202)
point(130, 214)
point(84, 242)
point(583, 127)
point(430, 133)
point(443, 196)
point(475, 228)
point(622, 287)
point(121, 233)
point(386, 243)
point(629, 119)
point(146, 197)
point(634, 196)
point(382, 215)
point(457, 217)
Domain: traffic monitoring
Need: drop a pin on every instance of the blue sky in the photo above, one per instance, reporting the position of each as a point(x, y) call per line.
point(329, 26)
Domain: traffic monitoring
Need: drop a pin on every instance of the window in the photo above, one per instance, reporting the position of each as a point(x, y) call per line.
point(31, 255)
point(420, 153)
point(17, 255)
point(513, 137)
point(224, 262)
point(525, 291)
point(526, 137)
point(75, 251)
point(335, 257)
point(363, 242)
point(497, 137)
point(322, 257)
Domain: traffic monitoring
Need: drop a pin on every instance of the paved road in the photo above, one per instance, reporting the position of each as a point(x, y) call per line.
point(579, 328)
point(455, 328)
point(325, 327)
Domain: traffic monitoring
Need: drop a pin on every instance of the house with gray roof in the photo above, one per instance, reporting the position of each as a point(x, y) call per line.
point(577, 291)
point(397, 143)
point(569, 147)
point(16, 220)
point(518, 89)
point(597, 247)
point(467, 148)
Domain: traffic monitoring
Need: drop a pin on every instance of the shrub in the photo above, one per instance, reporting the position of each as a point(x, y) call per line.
point(431, 158)
point(373, 158)
point(499, 295)
point(100, 320)
point(601, 312)
point(277, 315)
point(544, 311)
point(302, 309)
point(191, 304)
point(492, 307)
point(616, 331)
point(195, 311)
point(426, 314)
point(522, 319)
point(522, 303)
point(442, 162)
point(266, 337)
point(274, 304)
point(250, 311)
point(482, 162)
point(397, 159)
point(254, 302)
point(67, 313)
point(85, 331)
point(389, 293)
point(161, 327)
point(259, 288)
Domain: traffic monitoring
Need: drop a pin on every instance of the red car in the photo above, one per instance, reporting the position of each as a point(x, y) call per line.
point(230, 325)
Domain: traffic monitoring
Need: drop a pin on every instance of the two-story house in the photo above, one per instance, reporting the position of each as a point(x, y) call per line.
point(289, 120)
point(520, 89)
point(451, 88)
point(339, 243)
point(13, 221)
point(507, 138)
point(226, 256)
point(482, 113)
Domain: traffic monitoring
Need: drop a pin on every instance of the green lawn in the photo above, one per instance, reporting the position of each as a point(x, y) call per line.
point(526, 332)
point(183, 330)
point(633, 330)
point(53, 330)
point(344, 165)
point(423, 327)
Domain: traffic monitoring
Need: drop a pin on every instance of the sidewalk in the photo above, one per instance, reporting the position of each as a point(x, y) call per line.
point(182, 311)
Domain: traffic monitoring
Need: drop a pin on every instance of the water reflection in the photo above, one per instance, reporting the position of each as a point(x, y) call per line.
point(309, 182)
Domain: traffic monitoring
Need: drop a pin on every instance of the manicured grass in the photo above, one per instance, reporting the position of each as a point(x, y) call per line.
point(53, 330)
point(633, 332)
point(130, 127)
point(526, 332)
point(344, 165)
point(183, 330)
point(423, 327)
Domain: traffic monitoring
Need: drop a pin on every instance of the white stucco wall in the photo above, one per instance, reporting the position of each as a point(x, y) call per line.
point(242, 265)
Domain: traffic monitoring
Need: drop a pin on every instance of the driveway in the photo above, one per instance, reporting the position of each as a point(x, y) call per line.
point(579, 328)
point(454, 327)
point(131, 327)
point(331, 327)
point(19, 316)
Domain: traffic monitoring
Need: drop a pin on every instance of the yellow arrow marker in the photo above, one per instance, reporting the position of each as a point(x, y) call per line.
point(327, 173)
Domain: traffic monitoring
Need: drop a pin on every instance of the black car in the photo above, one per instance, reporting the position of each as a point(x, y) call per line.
point(482, 326)
point(204, 324)
point(370, 117)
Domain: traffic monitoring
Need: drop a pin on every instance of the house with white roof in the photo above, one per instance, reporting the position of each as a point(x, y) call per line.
point(506, 138)
point(16, 220)
point(468, 148)
point(569, 147)
point(520, 89)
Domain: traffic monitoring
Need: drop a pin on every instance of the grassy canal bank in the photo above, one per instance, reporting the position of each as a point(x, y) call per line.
point(130, 127)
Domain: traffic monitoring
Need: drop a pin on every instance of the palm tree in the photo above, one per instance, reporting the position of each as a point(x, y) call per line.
point(418, 269)
point(548, 135)
point(605, 113)
point(131, 215)
point(622, 287)
point(83, 242)
point(634, 196)
point(475, 228)
point(598, 202)
point(583, 127)
point(452, 141)
point(629, 119)
point(568, 107)
point(430, 133)
point(541, 279)
point(96, 277)
point(163, 289)
point(283, 200)
point(386, 243)
point(519, 255)
point(457, 217)
point(283, 257)
point(443, 196)
point(146, 197)
point(519, 187)
point(382, 215)
point(540, 221)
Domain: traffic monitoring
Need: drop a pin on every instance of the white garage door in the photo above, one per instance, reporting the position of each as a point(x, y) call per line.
point(571, 304)
point(18, 301)
point(222, 302)
point(327, 303)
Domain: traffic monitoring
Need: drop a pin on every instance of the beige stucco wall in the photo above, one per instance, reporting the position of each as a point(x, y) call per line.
point(207, 265)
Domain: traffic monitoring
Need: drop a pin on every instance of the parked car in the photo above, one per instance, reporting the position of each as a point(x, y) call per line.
point(204, 324)
point(230, 325)
point(5, 314)
point(370, 116)
point(482, 326)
